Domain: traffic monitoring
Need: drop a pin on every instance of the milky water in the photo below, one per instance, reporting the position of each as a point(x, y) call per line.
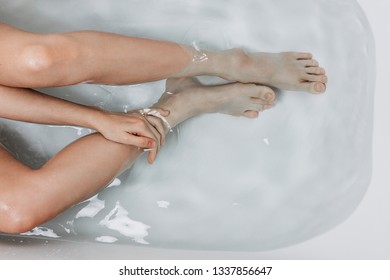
point(221, 183)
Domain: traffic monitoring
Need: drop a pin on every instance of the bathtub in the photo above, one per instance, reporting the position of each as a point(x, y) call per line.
point(155, 196)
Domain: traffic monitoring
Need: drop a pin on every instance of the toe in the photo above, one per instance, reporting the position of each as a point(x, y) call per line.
point(316, 78)
point(257, 104)
point(251, 114)
point(302, 56)
point(315, 70)
point(309, 63)
point(269, 96)
point(266, 94)
point(319, 87)
point(315, 87)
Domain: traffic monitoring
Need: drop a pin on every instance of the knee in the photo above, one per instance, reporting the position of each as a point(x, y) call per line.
point(18, 213)
point(15, 220)
point(35, 59)
point(53, 52)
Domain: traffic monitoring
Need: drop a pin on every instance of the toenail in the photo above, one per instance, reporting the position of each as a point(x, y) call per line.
point(251, 114)
point(319, 87)
point(268, 96)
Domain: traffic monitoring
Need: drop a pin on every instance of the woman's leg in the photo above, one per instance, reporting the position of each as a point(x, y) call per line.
point(30, 197)
point(43, 60)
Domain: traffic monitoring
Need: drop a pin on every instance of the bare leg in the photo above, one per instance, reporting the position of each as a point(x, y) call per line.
point(30, 197)
point(233, 99)
point(289, 70)
point(42, 60)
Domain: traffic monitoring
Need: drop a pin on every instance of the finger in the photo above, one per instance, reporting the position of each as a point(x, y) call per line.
point(157, 123)
point(152, 156)
point(155, 132)
point(138, 141)
point(143, 128)
point(159, 126)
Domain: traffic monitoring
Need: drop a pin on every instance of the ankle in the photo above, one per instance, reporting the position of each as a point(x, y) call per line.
point(195, 63)
point(235, 60)
point(213, 63)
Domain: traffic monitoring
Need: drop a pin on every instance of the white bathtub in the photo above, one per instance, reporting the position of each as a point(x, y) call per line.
point(206, 29)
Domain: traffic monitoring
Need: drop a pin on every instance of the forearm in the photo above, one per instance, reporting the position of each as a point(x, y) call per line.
point(31, 106)
point(130, 129)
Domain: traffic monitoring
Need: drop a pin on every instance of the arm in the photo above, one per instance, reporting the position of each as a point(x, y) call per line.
point(31, 106)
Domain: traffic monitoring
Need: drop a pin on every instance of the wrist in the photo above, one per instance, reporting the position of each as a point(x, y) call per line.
point(95, 118)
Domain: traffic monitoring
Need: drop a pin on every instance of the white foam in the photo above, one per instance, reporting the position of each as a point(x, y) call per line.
point(106, 239)
point(42, 231)
point(163, 204)
point(118, 220)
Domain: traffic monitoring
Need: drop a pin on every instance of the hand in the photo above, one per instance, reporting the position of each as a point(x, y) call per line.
point(133, 129)
point(159, 125)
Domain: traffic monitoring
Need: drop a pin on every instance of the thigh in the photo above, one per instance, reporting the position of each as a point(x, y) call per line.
point(14, 177)
point(11, 170)
point(72, 175)
point(14, 191)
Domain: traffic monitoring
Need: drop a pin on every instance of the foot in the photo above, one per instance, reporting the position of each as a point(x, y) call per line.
point(186, 97)
point(288, 71)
